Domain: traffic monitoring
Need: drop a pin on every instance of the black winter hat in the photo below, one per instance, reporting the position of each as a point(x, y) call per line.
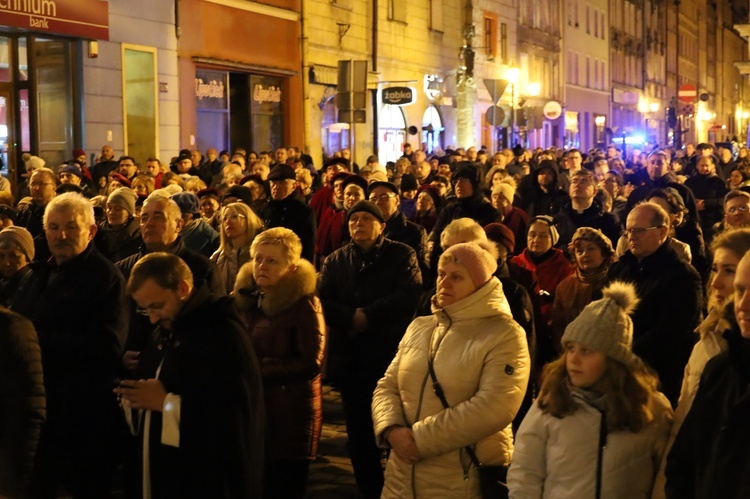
point(467, 170)
point(367, 206)
point(244, 194)
point(387, 185)
point(356, 180)
point(409, 182)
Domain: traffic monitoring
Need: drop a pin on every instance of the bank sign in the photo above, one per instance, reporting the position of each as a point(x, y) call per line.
point(79, 18)
point(397, 96)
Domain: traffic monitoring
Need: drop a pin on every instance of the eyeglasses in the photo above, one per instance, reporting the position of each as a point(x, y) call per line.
point(382, 197)
point(639, 231)
point(232, 216)
point(731, 211)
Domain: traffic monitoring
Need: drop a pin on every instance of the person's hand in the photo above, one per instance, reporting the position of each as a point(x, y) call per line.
point(146, 394)
point(359, 321)
point(701, 204)
point(403, 444)
point(130, 359)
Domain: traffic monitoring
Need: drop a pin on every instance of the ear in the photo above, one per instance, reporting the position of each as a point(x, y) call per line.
point(92, 231)
point(180, 224)
point(183, 289)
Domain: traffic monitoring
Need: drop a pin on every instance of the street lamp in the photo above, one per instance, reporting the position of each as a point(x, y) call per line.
point(512, 74)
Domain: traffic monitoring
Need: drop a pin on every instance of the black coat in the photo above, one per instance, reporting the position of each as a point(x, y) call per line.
point(399, 229)
point(121, 242)
point(204, 272)
point(711, 189)
point(209, 362)
point(295, 215)
point(385, 283)
point(710, 457)
point(79, 310)
point(568, 220)
point(671, 300)
point(22, 401)
point(668, 180)
point(30, 216)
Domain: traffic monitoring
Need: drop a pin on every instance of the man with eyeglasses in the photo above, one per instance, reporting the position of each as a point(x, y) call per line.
point(161, 223)
point(736, 210)
point(42, 188)
point(670, 293)
point(397, 227)
point(584, 210)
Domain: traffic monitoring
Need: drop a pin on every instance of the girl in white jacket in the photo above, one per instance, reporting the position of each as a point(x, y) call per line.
point(599, 426)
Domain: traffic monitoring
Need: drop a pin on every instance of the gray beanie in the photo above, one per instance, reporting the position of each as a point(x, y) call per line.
point(21, 238)
point(604, 325)
point(124, 197)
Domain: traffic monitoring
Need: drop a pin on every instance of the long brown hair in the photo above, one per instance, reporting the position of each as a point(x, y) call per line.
point(629, 391)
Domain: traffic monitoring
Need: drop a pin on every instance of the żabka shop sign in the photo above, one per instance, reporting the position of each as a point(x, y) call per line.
point(79, 18)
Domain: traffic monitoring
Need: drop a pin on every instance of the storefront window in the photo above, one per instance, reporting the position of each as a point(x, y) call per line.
point(5, 69)
point(212, 104)
point(54, 99)
point(432, 130)
point(266, 113)
point(140, 102)
point(23, 60)
point(391, 134)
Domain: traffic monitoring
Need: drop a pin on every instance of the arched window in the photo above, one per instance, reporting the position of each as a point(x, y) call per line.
point(391, 133)
point(432, 130)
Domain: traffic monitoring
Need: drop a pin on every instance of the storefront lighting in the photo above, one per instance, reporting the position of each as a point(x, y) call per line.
point(746, 114)
point(512, 74)
point(600, 120)
point(653, 107)
point(534, 89)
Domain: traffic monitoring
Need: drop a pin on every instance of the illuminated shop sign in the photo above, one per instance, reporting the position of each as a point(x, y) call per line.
point(79, 18)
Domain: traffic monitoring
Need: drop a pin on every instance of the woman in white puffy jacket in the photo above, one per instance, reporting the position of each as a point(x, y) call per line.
point(481, 360)
point(599, 426)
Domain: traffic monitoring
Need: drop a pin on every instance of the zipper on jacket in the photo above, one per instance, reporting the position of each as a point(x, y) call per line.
point(600, 455)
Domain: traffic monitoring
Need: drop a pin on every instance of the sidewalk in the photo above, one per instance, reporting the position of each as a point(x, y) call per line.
point(331, 475)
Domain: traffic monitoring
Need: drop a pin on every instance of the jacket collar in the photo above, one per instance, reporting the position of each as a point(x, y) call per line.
point(487, 301)
point(293, 286)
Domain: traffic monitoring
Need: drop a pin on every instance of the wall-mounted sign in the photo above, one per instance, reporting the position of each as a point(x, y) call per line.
point(552, 110)
point(80, 18)
point(210, 89)
point(263, 94)
point(397, 96)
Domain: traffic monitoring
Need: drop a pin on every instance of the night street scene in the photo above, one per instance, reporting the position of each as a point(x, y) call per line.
point(349, 249)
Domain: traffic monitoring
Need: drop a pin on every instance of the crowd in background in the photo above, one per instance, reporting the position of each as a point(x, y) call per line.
point(552, 313)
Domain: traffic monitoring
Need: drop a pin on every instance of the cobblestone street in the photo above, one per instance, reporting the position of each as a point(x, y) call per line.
point(331, 475)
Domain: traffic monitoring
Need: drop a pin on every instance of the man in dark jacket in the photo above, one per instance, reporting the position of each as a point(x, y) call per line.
point(22, 402)
point(670, 292)
point(541, 193)
point(710, 456)
point(470, 203)
point(659, 177)
point(161, 221)
point(197, 405)
point(583, 210)
point(369, 289)
point(397, 227)
point(42, 187)
point(286, 209)
point(80, 352)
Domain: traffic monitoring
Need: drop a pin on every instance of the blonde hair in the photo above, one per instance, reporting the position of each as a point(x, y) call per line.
point(281, 236)
point(194, 184)
point(629, 391)
point(254, 224)
point(145, 180)
point(492, 172)
point(467, 227)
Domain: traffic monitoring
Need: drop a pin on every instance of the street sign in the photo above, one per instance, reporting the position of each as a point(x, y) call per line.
point(687, 93)
point(398, 96)
point(496, 88)
point(495, 115)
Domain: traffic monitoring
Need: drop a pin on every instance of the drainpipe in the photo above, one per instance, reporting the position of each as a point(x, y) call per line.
point(375, 144)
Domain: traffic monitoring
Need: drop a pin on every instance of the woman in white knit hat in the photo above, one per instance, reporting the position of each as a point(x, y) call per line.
point(599, 426)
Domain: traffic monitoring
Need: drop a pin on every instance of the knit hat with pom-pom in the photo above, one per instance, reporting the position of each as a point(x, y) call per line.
point(478, 258)
point(605, 326)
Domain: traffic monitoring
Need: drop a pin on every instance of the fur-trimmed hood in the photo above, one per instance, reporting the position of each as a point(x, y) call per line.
point(301, 282)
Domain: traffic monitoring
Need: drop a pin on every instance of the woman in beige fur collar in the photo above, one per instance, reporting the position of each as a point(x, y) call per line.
point(276, 293)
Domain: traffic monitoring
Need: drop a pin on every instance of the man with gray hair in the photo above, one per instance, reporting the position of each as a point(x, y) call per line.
point(670, 292)
point(81, 352)
point(161, 223)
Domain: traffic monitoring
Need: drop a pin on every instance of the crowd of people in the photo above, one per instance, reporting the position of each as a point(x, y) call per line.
point(543, 323)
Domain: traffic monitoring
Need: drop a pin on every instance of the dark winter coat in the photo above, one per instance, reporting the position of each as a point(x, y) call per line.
point(295, 215)
point(199, 236)
point(209, 362)
point(399, 229)
point(569, 220)
point(30, 216)
point(204, 272)
point(117, 243)
point(711, 189)
point(669, 180)
point(710, 457)
point(22, 401)
point(79, 310)
point(385, 282)
point(288, 333)
point(669, 310)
